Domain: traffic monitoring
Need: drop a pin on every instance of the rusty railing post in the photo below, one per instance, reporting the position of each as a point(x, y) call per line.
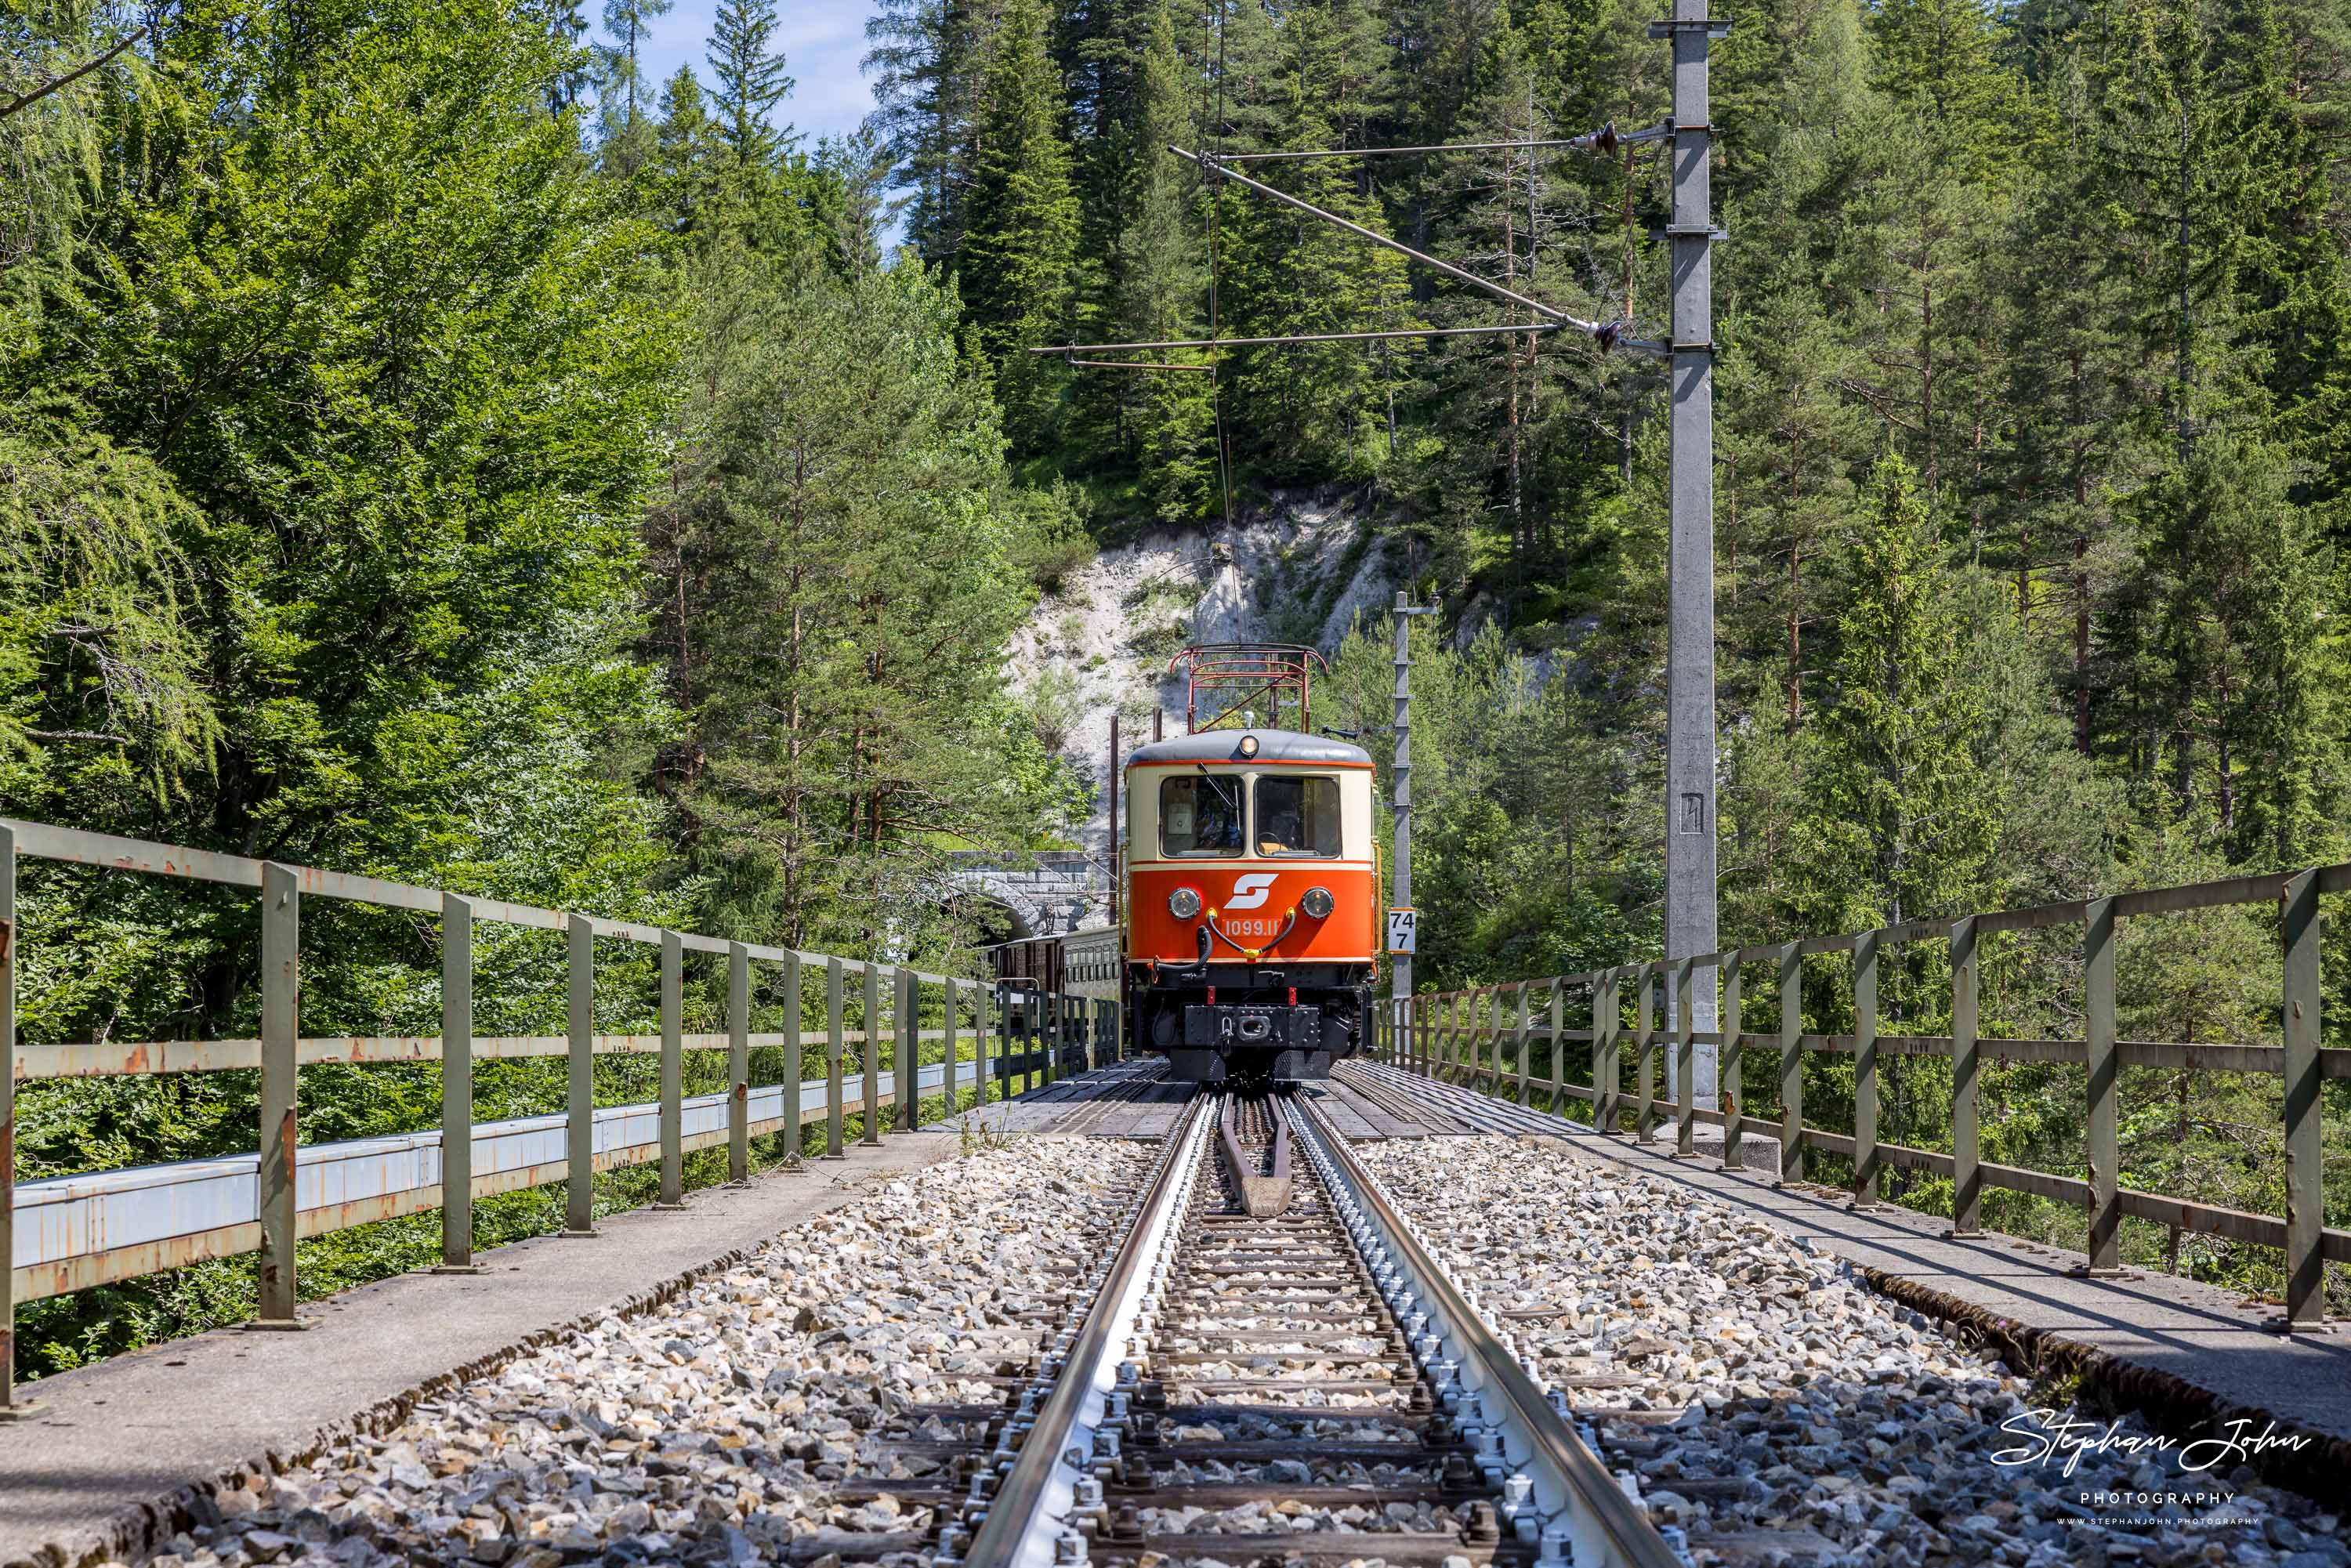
point(1734, 1119)
point(11, 1408)
point(872, 1056)
point(580, 1090)
point(1607, 1017)
point(1967, 1060)
point(794, 1062)
point(1524, 1043)
point(2306, 1237)
point(672, 1072)
point(1792, 1064)
point(1558, 1043)
point(906, 1013)
point(281, 989)
point(739, 1064)
point(1494, 1030)
point(835, 1046)
point(1865, 1071)
point(1685, 1063)
point(1460, 1045)
point(456, 1086)
point(1477, 1048)
point(1003, 1040)
point(2103, 1135)
point(1472, 1060)
point(951, 1046)
point(1645, 1004)
point(981, 997)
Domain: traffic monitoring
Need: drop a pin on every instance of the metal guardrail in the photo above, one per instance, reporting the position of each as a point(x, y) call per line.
point(1443, 1034)
point(93, 1230)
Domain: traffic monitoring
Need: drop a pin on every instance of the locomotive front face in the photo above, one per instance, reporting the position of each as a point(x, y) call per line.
point(1252, 897)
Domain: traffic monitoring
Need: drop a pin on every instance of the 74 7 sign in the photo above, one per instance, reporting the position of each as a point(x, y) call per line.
point(1404, 930)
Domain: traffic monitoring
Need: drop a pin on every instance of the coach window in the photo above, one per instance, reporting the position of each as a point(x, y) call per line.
point(1200, 814)
point(1297, 816)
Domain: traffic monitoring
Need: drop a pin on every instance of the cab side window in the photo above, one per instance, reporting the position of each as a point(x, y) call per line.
point(1200, 815)
point(1297, 816)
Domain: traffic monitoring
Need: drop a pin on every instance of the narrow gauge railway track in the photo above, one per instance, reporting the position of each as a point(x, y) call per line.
point(1298, 1384)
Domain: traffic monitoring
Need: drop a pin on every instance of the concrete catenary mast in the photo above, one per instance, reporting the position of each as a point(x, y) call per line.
point(1690, 659)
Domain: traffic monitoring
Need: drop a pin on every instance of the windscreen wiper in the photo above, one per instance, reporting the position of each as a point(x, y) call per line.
point(1232, 802)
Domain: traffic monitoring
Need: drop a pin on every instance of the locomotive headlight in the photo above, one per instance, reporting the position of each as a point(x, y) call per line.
point(1317, 902)
point(1184, 902)
point(1248, 746)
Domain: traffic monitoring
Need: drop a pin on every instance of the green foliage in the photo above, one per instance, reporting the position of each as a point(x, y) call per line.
point(1021, 231)
point(101, 684)
point(1902, 821)
point(751, 79)
point(386, 485)
point(845, 560)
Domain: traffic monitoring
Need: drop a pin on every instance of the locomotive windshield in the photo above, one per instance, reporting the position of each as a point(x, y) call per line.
point(1298, 816)
point(1200, 816)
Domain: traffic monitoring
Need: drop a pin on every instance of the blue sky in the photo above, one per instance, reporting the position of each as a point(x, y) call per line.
point(823, 41)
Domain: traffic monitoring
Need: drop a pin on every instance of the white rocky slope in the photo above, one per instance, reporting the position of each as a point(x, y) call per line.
point(1300, 570)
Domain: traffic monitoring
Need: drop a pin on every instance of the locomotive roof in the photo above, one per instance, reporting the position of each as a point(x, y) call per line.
point(1273, 746)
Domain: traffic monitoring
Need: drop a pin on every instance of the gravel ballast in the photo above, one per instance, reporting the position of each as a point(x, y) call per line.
point(711, 1430)
point(1774, 1392)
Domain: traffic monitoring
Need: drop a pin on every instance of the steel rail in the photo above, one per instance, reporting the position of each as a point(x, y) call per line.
point(1022, 1529)
point(1579, 1502)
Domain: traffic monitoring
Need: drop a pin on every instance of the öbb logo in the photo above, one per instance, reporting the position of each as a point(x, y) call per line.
point(1251, 891)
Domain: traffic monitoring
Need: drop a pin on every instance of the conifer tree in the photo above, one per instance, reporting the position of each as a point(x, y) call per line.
point(568, 84)
point(1020, 246)
point(928, 59)
point(626, 133)
point(1315, 82)
point(2075, 377)
point(1791, 439)
point(751, 81)
point(1155, 288)
point(1902, 821)
point(687, 169)
point(2229, 595)
point(622, 77)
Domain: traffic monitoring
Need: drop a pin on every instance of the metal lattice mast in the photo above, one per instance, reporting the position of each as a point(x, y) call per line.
point(1689, 660)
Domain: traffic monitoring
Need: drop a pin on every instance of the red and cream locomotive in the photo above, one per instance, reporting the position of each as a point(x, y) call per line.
point(1252, 885)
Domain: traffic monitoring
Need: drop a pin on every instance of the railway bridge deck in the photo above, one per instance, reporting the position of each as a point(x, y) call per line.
point(1428, 1166)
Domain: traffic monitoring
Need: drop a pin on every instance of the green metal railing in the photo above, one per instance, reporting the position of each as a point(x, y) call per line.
point(1460, 1036)
point(1035, 1037)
